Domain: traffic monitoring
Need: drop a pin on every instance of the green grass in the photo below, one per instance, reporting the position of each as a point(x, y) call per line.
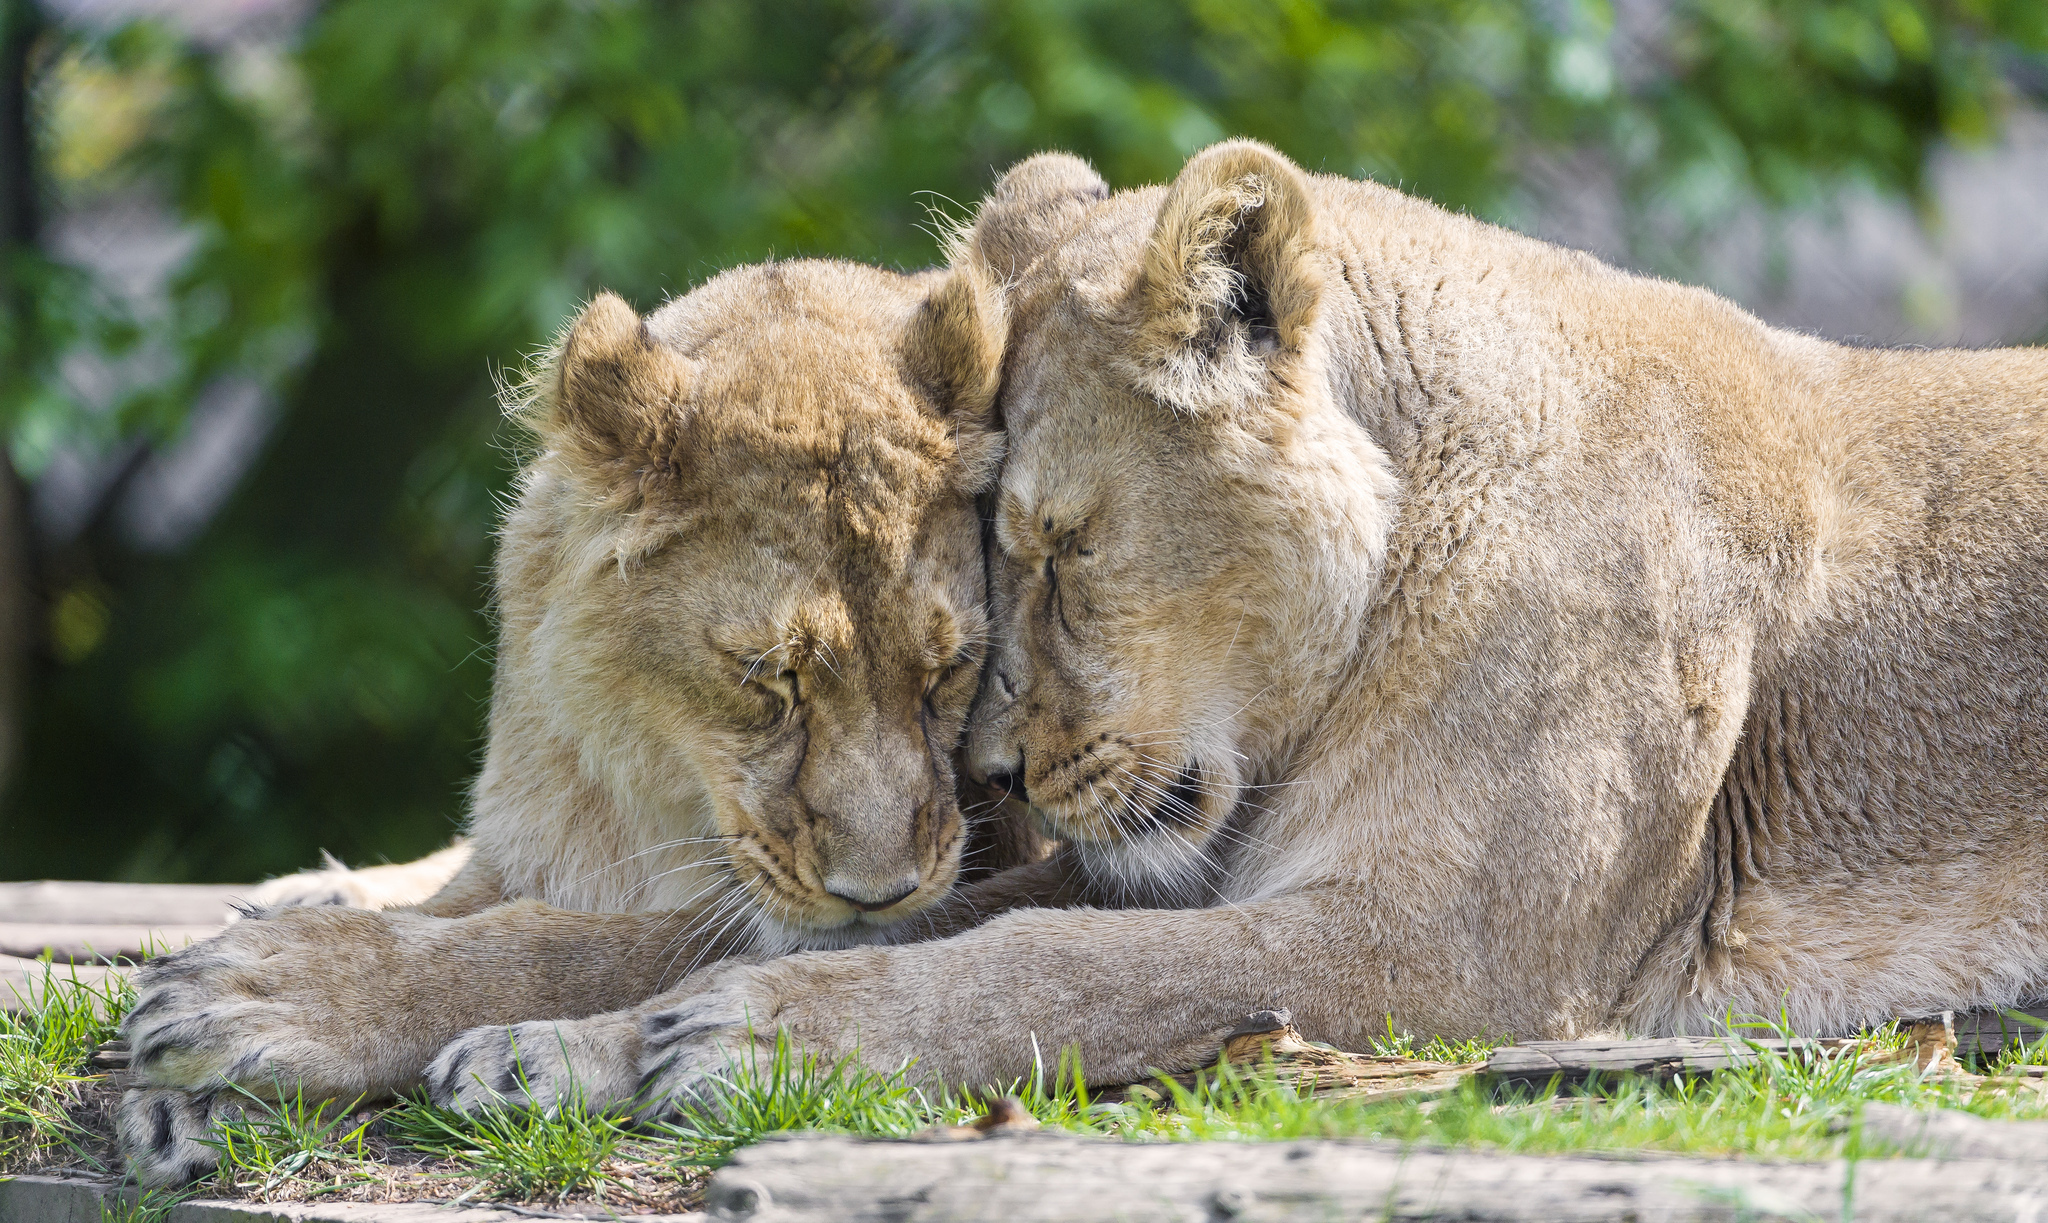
point(794, 1090)
point(519, 1154)
point(2026, 1041)
point(149, 1206)
point(1781, 1107)
point(45, 1052)
point(1436, 1048)
point(268, 1143)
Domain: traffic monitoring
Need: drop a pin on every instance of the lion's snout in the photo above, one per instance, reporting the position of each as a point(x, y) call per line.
point(875, 859)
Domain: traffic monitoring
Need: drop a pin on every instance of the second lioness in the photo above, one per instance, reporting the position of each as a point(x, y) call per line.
point(741, 618)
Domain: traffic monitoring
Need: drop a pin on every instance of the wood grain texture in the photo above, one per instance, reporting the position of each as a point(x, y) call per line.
point(1046, 1178)
point(52, 1199)
point(71, 903)
point(1539, 1061)
point(21, 981)
point(95, 944)
point(1989, 1031)
point(1947, 1133)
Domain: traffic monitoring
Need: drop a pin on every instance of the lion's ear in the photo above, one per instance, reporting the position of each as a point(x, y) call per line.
point(618, 407)
point(1230, 282)
point(954, 351)
point(1035, 202)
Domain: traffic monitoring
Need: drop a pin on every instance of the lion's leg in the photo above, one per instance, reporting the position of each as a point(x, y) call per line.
point(1134, 991)
point(341, 1003)
point(598, 1059)
point(475, 887)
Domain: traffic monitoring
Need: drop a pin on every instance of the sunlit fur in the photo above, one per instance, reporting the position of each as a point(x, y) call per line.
point(740, 611)
point(1400, 617)
point(796, 521)
point(1542, 649)
point(1633, 661)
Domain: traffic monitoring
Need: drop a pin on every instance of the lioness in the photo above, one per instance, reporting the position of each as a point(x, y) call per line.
point(741, 620)
point(1406, 616)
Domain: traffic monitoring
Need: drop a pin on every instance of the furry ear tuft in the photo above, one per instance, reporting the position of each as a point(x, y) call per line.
point(954, 349)
point(1034, 202)
point(618, 407)
point(1230, 282)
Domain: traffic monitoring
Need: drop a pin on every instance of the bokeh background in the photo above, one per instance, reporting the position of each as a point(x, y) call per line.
point(264, 259)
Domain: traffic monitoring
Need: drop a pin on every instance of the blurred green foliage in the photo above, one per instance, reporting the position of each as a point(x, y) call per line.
point(407, 197)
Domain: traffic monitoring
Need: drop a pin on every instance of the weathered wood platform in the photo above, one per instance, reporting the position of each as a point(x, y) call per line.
point(51, 1199)
point(1051, 1178)
point(1959, 1168)
point(92, 928)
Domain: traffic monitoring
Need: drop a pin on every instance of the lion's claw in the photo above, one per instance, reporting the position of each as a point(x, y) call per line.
point(540, 1064)
point(686, 1048)
point(161, 1131)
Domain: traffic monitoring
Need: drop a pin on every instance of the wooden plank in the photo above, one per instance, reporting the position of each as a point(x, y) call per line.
point(1539, 1061)
point(1948, 1133)
point(1038, 1177)
point(79, 1199)
point(70, 903)
point(1987, 1032)
point(98, 944)
point(21, 981)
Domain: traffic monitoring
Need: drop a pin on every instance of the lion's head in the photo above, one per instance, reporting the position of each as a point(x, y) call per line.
point(742, 596)
point(1188, 536)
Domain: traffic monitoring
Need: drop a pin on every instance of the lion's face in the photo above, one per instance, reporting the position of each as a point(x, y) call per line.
point(749, 572)
point(1173, 561)
point(1118, 620)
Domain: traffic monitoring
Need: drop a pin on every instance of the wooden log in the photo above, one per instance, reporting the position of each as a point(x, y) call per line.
point(1571, 1061)
point(67, 903)
point(83, 1199)
point(22, 981)
point(1036, 1177)
point(1987, 1032)
point(1947, 1133)
point(1270, 1038)
point(97, 944)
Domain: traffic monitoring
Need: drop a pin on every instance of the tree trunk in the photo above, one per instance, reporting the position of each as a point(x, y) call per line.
point(19, 22)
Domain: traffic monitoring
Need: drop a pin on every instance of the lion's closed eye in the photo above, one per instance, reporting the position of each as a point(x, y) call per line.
point(786, 685)
point(770, 690)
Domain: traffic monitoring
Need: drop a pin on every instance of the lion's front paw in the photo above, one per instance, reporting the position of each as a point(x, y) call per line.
point(161, 1131)
point(290, 996)
point(542, 1064)
point(688, 1050)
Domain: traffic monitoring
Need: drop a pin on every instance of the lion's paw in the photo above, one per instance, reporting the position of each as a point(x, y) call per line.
point(161, 1131)
point(542, 1064)
point(280, 996)
point(689, 1049)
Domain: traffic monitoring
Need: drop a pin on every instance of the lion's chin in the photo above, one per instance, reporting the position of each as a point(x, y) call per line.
point(780, 936)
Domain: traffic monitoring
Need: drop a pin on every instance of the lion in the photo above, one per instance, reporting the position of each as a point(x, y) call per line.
point(1402, 617)
point(741, 620)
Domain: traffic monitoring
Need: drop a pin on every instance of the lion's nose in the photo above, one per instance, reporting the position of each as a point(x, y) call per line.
point(871, 897)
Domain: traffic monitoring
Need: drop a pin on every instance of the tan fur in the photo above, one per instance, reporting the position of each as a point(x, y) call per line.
point(1401, 616)
point(741, 618)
